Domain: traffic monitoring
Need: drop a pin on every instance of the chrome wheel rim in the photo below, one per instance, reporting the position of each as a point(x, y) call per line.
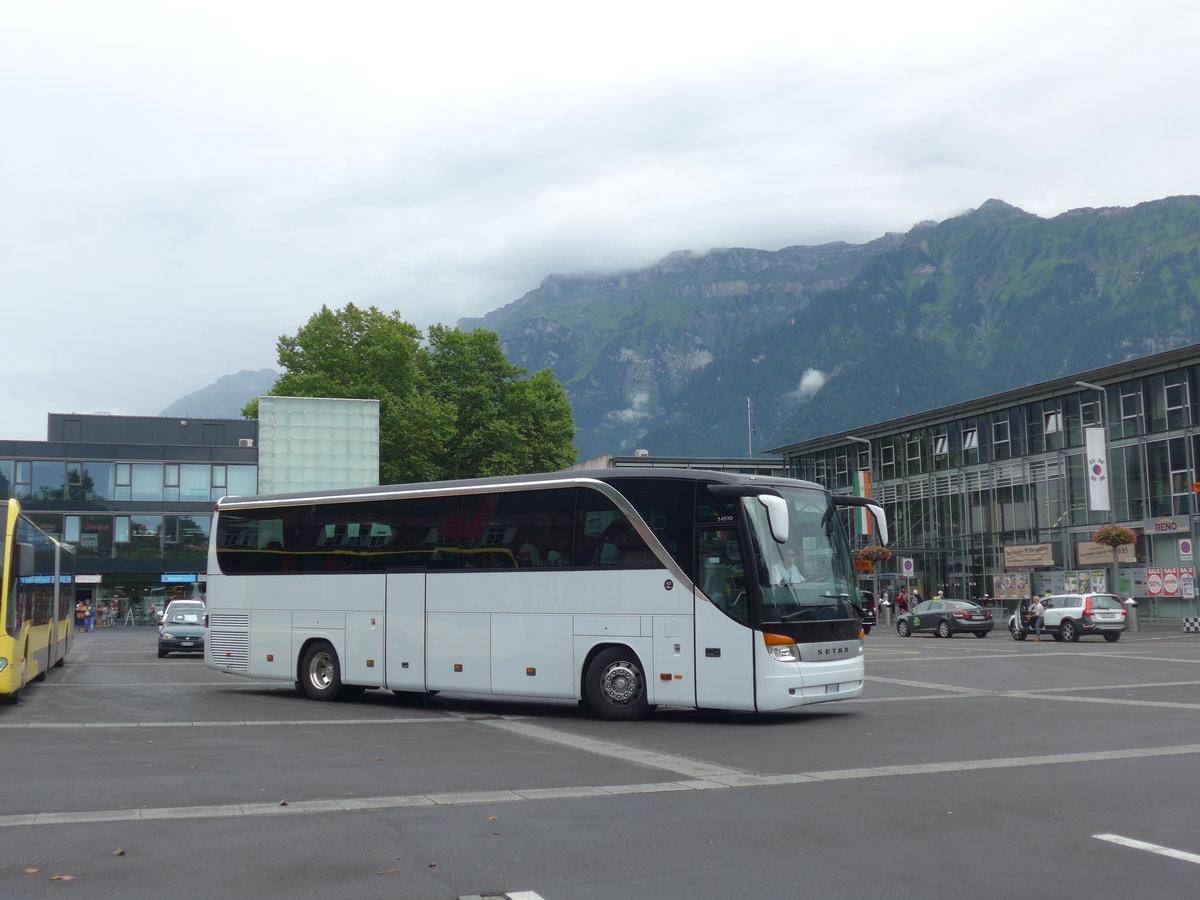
point(320, 670)
point(621, 682)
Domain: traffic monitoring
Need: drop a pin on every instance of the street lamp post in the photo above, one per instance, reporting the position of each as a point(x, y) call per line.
point(1112, 585)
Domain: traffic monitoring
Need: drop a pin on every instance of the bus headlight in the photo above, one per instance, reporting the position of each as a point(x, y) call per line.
point(781, 647)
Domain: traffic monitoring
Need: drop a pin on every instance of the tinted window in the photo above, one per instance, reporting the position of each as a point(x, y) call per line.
point(604, 537)
point(1106, 601)
point(668, 508)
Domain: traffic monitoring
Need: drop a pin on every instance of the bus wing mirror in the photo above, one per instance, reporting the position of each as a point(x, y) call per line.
point(777, 516)
point(881, 525)
point(875, 510)
point(25, 566)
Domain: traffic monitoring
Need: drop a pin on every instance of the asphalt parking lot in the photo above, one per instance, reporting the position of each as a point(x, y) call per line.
point(984, 766)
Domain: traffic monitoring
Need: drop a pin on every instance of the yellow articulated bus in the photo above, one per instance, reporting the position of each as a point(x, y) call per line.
point(36, 575)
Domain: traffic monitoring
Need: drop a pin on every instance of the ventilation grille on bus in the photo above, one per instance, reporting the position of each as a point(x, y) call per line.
point(229, 641)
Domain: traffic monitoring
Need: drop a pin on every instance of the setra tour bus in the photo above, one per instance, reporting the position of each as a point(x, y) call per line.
point(619, 588)
point(36, 613)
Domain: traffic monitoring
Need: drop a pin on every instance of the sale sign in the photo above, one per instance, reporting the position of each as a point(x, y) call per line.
point(1170, 581)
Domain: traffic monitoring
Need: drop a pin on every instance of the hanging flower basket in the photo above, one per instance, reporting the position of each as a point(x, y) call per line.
point(1113, 536)
point(875, 554)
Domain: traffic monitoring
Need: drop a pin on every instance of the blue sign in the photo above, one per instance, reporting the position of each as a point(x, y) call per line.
point(178, 579)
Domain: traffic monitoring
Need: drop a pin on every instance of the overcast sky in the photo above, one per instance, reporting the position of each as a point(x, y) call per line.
point(183, 182)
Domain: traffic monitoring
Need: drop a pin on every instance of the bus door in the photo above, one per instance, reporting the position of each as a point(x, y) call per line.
point(404, 650)
point(724, 640)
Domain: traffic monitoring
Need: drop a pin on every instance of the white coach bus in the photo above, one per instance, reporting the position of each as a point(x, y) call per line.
point(621, 588)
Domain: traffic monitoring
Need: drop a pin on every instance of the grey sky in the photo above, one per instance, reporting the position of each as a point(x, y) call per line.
point(185, 181)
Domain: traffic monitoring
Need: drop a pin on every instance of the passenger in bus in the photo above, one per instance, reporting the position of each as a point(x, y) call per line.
point(528, 555)
point(614, 543)
point(558, 556)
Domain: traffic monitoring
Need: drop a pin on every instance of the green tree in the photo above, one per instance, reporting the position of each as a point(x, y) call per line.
point(456, 408)
point(504, 423)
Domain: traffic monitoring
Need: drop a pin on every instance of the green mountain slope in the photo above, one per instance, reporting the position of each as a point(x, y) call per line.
point(665, 358)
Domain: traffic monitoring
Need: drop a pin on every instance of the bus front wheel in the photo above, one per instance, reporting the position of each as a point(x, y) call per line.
point(320, 673)
point(616, 685)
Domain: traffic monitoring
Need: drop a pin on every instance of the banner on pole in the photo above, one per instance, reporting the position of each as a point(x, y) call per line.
point(1097, 470)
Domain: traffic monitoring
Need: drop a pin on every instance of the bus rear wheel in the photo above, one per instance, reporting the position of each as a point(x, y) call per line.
point(320, 672)
point(616, 685)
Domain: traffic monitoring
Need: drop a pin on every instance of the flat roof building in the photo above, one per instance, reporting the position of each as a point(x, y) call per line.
point(991, 497)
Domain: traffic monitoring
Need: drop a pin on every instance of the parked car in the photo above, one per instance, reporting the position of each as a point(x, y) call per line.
point(182, 632)
point(1071, 616)
point(868, 611)
point(946, 618)
point(179, 604)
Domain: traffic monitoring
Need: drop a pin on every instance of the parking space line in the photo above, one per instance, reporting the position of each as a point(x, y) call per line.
point(1150, 848)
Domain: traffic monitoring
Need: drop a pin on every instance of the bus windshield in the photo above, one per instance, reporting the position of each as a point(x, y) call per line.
point(808, 581)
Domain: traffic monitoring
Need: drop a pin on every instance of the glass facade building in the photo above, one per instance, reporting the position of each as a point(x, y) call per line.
point(990, 497)
point(133, 496)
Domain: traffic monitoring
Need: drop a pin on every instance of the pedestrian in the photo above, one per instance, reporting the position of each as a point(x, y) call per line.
point(915, 599)
point(901, 602)
point(89, 619)
point(80, 615)
point(1038, 613)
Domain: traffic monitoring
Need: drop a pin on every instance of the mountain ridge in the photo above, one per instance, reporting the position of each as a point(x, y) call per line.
point(665, 357)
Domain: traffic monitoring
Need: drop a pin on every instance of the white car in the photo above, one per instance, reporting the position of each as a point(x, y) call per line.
point(1071, 616)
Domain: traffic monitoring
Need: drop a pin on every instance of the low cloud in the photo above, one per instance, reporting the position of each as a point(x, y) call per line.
point(810, 382)
point(635, 412)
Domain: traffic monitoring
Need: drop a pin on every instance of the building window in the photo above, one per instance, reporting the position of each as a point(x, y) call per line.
point(147, 482)
point(1131, 409)
point(970, 439)
point(941, 444)
point(1052, 422)
point(1000, 440)
point(841, 464)
point(1168, 476)
point(124, 479)
point(887, 461)
point(1176, 399)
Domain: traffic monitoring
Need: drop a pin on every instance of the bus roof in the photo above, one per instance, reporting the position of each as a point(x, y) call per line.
point(476, 485)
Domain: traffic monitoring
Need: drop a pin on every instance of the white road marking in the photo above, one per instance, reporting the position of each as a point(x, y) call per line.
point(463, 798)
point(678, 764)
point(1151, 848)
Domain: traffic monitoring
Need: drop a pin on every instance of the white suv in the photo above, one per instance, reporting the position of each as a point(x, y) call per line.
point(1070, 616)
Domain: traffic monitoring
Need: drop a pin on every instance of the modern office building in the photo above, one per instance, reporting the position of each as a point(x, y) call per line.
point(133, 495)
point(991, 497)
